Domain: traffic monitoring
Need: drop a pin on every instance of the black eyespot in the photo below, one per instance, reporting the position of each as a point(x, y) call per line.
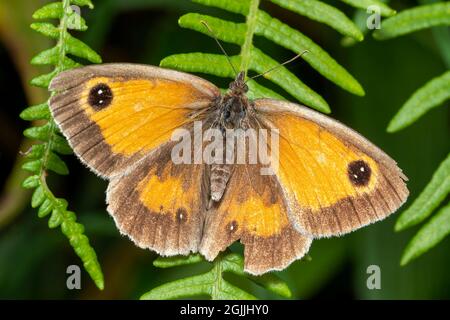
point(100, 96)
point(359, 173)
point(181, 215)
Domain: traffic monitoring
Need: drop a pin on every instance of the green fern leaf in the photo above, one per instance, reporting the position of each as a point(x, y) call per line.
point(324, 13)
point(38, 112)
point(37, 151)
point(385, 10)
point(47, 57)
point(46, 28)
point(415, 19)
point(80, 49)
point(31, 182)
point(52, 10)
point(431, 95)
point(60, 145)
point(33, 166)
point(45, 208)
point(430, 198)
point(44, 157)
point(41, 133)
point(433, 232)
point(83, 3)
point(43, 81)
point(212, 283)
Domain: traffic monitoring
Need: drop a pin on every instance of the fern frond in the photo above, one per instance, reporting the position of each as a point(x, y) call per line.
point(44, 156)
point(212, 282)
point(260, 23)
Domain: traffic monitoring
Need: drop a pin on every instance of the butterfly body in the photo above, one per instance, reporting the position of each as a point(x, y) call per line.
point(323, 179)
point(234, 110)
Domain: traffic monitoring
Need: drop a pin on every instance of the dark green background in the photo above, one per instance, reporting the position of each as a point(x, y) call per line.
point(33, 259)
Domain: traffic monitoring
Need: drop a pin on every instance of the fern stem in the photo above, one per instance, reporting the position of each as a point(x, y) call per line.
point(59, 67)
point(251, 27)
point(216, 288)
point(62, 35)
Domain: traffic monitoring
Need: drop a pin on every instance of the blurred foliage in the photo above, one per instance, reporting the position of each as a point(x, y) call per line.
point(433, 94)
point(33, 259)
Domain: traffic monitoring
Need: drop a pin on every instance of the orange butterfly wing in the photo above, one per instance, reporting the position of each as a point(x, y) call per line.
point(334, 180)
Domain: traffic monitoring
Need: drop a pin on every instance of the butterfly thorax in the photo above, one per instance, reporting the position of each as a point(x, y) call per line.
point(233, 111)
point(234, 105)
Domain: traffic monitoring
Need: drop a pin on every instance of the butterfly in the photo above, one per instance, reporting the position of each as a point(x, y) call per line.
point(120, 119)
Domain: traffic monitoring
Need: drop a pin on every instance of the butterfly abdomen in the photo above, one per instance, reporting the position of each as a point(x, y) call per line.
point(220, 174)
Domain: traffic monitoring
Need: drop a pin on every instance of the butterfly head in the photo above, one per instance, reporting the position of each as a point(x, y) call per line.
point(238, 86)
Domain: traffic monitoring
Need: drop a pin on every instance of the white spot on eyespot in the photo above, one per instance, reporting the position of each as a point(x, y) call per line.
point(362, 169)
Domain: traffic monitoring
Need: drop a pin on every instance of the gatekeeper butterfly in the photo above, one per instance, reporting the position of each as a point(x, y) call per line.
point(120, 119)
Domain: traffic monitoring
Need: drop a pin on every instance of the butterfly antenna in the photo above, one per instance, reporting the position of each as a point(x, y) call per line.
point(280, 65)
point(219, 44)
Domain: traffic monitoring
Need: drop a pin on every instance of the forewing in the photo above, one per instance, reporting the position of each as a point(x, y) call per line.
point(115, 114)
